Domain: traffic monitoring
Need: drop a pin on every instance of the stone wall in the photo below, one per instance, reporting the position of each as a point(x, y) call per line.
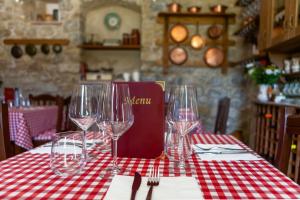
point(51, 73)
point(57, 74)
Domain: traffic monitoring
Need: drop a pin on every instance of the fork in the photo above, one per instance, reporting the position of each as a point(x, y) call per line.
point(153, 180)
point(216, 147)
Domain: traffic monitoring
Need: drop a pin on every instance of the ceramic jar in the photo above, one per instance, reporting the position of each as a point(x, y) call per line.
point(295, 65)
point(263, 92)
point(287, 66)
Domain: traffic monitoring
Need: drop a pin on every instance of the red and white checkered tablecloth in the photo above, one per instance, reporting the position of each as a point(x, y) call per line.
point(25, 123)
point(28, 176)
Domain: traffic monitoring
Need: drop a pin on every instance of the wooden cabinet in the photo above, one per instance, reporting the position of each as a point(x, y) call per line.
point(279, 23)
point(270, 119)
point(264, 21)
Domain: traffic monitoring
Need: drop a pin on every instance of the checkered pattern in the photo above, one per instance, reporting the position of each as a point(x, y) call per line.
point(29, 176)
point(45, 136)
point(26, 123)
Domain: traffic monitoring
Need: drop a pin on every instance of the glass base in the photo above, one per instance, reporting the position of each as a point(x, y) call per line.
point(182, 166)
point(90, 157)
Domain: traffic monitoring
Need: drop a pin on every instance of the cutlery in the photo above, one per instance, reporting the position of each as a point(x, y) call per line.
point(153, 180)
point(222, 152)
point(135, 185)
point(217, 147)
point(71, 143)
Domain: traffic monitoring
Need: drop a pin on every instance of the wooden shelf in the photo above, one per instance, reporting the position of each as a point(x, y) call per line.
point(36, 41)
point(168, 19)
point(200, 18)
point(292, 76)
point(288, 46)
point(249, 59)
point(101, 47)
point(57, 23)
point(208, 42)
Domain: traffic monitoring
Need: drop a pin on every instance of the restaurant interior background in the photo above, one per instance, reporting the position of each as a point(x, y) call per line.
point(79, 19)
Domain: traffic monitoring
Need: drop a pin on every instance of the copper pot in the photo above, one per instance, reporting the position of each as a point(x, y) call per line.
point(218, 8)
point(214, 57)
point(194, 9)
point(178, 55)
point(214, 32)
point(179, 33)
point(174, 7)
point(197, 41)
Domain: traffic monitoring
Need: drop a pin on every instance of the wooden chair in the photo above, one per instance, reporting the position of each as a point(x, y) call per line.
point(67, 124)
point(289, 155)
point(47, 100)
point(7, 148)
point(222, 116)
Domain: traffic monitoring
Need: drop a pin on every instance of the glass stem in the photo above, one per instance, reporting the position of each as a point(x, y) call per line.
point(181, 156)
point(84, 145)
point(115, 164)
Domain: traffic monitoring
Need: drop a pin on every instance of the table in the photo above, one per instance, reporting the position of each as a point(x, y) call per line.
point(26, 123)
point(29, 176)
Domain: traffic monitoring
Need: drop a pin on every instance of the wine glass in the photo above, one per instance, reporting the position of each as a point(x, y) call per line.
point(83, 108)
point(121, 117)
point(183, 115)
point(103, 118)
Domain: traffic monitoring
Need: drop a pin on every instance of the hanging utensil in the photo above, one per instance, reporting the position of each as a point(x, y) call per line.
point(30, 50)
point(214, 57)
point(194, 9)
point(214, 31)
point(197, 41)
point(179, 33)
point(57, 48)
point(220, 9)
point(16, 51)
point(45, 49)
point(178, 55)
point(174, 7)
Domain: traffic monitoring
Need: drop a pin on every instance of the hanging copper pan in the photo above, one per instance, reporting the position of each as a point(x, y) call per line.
point(197, 41)
point(178, 55)
point(179, 33)
point(214, 31)
point(214, 57)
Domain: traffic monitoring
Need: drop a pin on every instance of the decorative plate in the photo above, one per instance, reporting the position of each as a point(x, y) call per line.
point(112, 21)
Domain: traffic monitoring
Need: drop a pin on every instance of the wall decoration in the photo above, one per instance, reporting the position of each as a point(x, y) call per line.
point(112, 21)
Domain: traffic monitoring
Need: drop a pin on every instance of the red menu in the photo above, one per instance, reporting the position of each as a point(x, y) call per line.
point(145, 139)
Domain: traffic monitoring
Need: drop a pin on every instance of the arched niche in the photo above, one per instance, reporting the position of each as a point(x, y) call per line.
point(94, 13)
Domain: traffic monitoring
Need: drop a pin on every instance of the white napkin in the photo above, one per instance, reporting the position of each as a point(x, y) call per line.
point(225, 157)
point(46, 148)
point(169, 188)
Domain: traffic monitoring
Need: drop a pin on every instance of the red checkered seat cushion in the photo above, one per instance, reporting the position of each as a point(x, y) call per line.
point(46, 136)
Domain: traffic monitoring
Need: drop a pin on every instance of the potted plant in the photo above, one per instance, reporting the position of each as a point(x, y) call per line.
point(265, 77)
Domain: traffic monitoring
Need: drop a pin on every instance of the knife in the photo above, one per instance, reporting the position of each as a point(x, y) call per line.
point(223, 152)
point(135, 185)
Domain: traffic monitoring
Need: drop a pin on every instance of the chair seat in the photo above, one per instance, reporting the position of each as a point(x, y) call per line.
point(46, 136)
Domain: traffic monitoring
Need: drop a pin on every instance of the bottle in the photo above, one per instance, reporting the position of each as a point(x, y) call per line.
point(17, 98)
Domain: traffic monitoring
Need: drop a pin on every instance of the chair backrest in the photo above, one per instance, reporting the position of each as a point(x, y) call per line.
point(289, 158)
point(222, 116)
point(67, 123)
point(48, 100)
point(6, 146)
point(43, 99)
